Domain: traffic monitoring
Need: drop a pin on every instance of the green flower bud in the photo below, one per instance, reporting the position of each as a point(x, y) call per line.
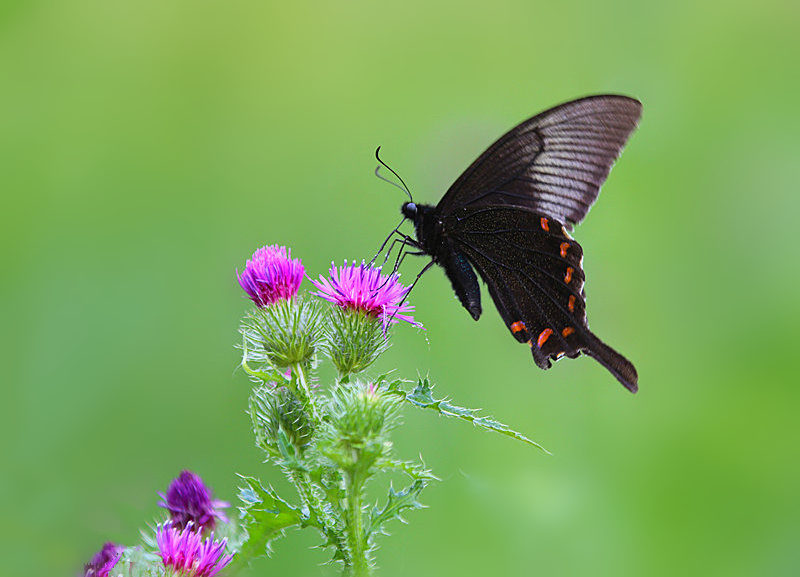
point(360, 418)
point(286, 333)
point(355, 339)
point(277, 414)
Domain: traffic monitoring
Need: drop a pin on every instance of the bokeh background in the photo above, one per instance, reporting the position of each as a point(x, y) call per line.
point(148, 147)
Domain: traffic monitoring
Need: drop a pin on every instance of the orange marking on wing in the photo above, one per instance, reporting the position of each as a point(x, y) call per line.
point(564, 247)
point(543, 336)
point(568, 276)
point(571, 304)
point(545, 225)
point(567, 332)
point(517, 327)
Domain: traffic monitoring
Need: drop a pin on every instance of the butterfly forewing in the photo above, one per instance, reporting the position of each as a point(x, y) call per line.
point(553, 163)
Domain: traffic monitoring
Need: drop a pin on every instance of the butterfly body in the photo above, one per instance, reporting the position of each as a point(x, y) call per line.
point(507, 218)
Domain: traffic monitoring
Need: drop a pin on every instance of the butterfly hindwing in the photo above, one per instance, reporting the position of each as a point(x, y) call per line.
point(534, 273)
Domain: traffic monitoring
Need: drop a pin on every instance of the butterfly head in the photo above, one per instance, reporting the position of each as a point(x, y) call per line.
point(409, 210)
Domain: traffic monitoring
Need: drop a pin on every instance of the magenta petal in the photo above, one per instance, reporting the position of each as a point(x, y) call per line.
point(364, 288)
point(104, 560)
point(189, 501)
point(271, 275)
point(186, 552)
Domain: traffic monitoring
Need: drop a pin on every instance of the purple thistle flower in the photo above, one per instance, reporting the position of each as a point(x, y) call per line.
point(189, 502)
point(187, 553)
point(104, 560)
point(271, 275)
point(364, 288)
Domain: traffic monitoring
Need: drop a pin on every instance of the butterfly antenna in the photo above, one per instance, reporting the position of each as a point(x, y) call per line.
point(404, 188)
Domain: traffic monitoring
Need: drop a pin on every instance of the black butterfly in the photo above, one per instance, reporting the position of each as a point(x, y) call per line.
point(507, 217)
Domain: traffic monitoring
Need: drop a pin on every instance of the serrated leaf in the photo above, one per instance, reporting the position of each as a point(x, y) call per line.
point(422, 396)
point(416, 471)
point(396, 503)
point(264, 517)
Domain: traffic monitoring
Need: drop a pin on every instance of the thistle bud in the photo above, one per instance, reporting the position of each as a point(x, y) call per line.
point(361, 417)
point(274, 410)
point(286, 333)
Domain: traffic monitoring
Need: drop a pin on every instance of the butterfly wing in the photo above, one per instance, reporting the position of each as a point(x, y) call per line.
point(553, 163)
point(534, 273)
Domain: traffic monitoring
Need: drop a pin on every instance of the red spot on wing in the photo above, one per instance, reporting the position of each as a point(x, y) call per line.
point(543, 336)
point(564, 247)
point(568, 276)
point(517, 327)
point(567, 332)
point(571, 303)
point(545, 224)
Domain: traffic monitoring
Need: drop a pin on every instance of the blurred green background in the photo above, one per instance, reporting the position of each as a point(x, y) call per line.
point(147, 148)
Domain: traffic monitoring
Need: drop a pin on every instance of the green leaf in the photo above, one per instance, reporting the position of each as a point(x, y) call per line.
point(422, 396)
point(264, 517)
point(396, 503)
point(416, 471)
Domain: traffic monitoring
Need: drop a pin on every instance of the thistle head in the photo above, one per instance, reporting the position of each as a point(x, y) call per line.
point(104, 560)
point(190, 502)
point(271, 275)
point(363, 288)
point(185, 552)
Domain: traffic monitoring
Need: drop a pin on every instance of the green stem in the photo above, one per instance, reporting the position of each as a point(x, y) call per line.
point(302, 379)
point(356, 536)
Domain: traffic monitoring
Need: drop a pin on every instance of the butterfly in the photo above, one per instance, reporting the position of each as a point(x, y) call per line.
point(508, 217)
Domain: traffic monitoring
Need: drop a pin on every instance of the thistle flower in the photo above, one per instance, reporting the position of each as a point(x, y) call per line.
point(364, 288)
point(271, 275)
point(187, 553)
point(189, 502)
point(104, 560)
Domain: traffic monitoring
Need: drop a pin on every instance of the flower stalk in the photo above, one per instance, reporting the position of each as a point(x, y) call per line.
point(360, 565)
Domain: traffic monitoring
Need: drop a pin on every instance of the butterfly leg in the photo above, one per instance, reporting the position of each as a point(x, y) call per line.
point(413, 284)
point(398, 261)
point(388, 238)
point(403, 243)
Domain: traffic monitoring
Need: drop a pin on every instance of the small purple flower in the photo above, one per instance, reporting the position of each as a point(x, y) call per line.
point(271, 275)
point(189, 501)
point(364, 288)
point(187, 553)
point(104, 560)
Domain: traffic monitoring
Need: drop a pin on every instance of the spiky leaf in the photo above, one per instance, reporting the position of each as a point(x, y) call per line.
point(422, 396)
point(264, 517)
point(396, 503)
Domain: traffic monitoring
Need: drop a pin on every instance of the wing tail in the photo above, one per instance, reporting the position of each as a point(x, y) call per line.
point(616, 364)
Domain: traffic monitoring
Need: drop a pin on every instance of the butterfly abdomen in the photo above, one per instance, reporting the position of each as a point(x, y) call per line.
point(463, 279)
